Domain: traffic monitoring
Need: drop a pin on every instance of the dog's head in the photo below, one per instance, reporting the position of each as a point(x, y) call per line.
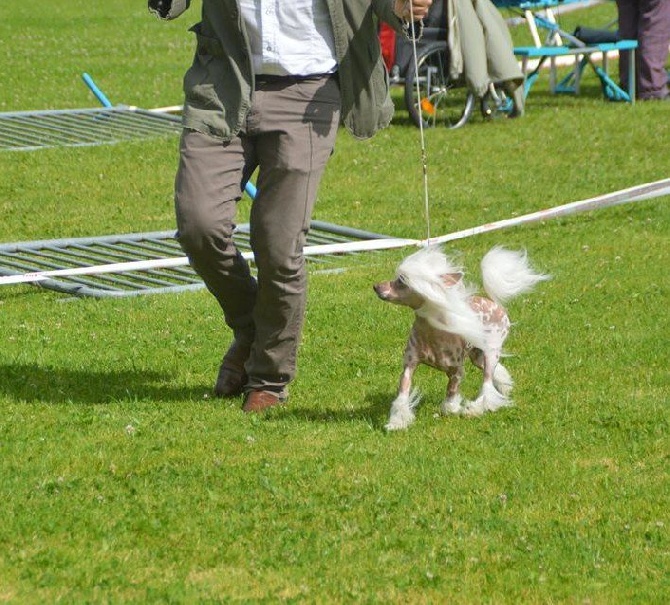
point(433, 286)
point(421, 278)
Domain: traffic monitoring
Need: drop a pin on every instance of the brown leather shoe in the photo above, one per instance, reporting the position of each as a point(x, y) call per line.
point(259, 401)
point(232, 376)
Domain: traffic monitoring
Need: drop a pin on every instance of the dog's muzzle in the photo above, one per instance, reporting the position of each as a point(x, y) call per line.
point(382, 290)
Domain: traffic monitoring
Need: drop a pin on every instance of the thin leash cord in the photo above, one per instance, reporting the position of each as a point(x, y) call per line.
point(424, 159)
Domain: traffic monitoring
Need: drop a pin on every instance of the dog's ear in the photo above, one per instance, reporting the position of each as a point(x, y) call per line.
point(451, 279)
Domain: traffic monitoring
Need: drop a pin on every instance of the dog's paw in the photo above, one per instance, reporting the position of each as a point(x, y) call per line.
point(452, 405)
point(473, 409)
point(402, 411)
point(399, 423)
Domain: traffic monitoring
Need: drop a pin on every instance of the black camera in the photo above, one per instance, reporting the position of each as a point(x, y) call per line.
point(160, 7)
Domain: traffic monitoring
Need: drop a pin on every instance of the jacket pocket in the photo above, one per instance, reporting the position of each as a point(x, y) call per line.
point(205, 73)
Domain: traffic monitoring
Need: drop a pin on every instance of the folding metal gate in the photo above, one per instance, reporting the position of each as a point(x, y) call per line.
point(62, 254)
point(28, 130)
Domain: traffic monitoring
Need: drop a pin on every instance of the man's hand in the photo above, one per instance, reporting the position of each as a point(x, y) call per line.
point(409, 10)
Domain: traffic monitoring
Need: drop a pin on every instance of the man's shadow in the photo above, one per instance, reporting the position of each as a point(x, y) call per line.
point(32, 383)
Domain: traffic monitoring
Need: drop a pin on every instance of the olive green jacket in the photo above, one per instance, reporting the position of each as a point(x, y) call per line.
point(219, 84)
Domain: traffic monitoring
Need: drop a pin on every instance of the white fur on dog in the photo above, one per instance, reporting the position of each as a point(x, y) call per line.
point(402, 410)
point(507, 273)
point(502, 380)
point(445, 308)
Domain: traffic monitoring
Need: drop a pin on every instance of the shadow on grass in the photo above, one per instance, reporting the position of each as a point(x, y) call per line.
point(374, 412)
point(32, 383)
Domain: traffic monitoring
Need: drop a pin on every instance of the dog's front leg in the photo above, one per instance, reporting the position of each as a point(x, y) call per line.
point(402, 408)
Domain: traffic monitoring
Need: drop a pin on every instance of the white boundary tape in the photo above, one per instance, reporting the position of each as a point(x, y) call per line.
point(632, 194)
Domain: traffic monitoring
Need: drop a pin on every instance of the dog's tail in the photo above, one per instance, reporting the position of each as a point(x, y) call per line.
point(507, 273)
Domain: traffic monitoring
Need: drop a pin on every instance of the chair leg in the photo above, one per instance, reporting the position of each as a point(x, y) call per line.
point(631, 76)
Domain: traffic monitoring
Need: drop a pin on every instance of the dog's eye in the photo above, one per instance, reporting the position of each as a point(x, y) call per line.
point(402, 281)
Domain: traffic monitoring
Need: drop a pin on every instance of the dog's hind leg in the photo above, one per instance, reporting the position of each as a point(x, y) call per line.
point(502, 380)
point(402, 408)
point(489, 398)
point(453, 402)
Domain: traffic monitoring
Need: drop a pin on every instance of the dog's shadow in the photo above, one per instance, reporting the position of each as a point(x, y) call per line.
point(373, 412)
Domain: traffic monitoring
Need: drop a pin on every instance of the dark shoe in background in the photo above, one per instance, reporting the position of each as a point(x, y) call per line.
point(232, 375)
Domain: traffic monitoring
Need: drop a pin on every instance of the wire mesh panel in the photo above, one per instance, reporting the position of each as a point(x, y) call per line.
point(63, 254)
point(28, 130)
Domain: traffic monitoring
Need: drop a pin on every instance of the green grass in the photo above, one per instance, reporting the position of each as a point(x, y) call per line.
point(121, 480)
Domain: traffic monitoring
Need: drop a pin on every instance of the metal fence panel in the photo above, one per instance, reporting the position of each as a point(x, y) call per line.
point(56, 254)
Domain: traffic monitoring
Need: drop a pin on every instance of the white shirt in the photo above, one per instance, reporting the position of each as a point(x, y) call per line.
point(290, 37)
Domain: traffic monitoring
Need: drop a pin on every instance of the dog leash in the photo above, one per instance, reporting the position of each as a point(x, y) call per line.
point(422, 137)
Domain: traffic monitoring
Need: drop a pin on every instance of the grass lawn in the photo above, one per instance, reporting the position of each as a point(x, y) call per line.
point(122, 480)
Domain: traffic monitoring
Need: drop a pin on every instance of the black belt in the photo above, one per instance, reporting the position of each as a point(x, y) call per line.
point(289, 79)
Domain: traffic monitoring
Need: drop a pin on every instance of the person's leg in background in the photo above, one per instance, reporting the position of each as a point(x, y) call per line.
point(628, 18)
point(648, 22)
point(654, 40)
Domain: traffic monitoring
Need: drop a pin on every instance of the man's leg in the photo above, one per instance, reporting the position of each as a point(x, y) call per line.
point(294, 126)
point(208, 186)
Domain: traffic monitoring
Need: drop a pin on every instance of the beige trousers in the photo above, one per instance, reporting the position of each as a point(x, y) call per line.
point(289, 136)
